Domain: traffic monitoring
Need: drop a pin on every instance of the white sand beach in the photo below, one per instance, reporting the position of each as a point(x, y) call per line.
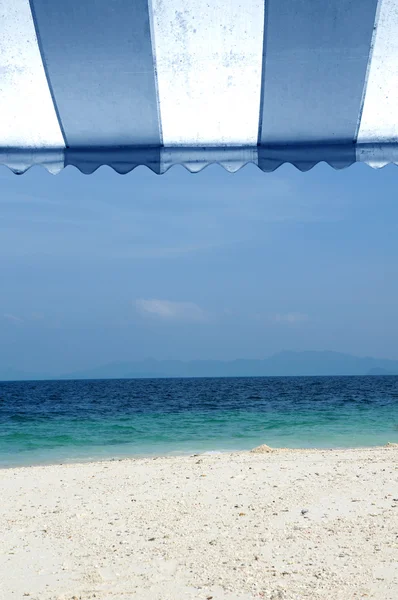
point(230, 526)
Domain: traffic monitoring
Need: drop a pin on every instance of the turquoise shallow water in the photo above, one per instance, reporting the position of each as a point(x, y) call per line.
point(65, 421)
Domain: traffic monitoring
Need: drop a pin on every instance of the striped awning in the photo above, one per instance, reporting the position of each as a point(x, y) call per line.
point(192, 82)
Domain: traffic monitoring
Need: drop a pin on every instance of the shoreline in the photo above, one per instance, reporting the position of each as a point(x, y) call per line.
point(138, 457)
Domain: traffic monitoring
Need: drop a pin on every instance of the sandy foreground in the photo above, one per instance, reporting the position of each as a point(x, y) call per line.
point(229, 526)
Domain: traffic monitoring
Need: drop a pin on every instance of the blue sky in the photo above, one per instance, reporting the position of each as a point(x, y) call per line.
point(101, 268)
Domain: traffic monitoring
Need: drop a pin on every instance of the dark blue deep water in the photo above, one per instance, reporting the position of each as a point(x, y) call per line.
point(61, 421)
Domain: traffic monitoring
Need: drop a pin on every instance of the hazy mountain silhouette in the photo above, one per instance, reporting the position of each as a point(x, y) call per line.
point(9, 374)
point(281, 364)
point(285, 363)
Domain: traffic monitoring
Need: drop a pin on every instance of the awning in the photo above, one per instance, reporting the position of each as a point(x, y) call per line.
point(193, 82)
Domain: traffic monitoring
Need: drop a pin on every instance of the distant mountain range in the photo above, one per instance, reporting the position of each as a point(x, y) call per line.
point(285, 363)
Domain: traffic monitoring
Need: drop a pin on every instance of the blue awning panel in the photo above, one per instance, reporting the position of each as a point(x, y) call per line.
point(99, 62)
point(315, 63)
point(147, 82)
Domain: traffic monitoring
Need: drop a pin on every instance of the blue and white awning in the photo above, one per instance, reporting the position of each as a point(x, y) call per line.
point(161, 82)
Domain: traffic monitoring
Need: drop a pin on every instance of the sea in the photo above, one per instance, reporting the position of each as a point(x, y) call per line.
point(51, 422)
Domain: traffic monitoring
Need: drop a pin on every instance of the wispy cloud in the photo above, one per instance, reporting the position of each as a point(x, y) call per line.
point(12, 318)
point(37, 316)
point(171, 311)
point(290, 318)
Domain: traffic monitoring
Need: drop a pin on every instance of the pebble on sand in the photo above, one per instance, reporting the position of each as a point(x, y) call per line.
point(262, 449)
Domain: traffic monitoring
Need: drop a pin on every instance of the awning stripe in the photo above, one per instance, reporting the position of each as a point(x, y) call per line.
point(208, 61)
point(195, 159)
point(379, 121)
point(122, 159)
point(32, 9)
point(99, 61)
point(27, 115)
point(20, 160)
point(316, 56)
